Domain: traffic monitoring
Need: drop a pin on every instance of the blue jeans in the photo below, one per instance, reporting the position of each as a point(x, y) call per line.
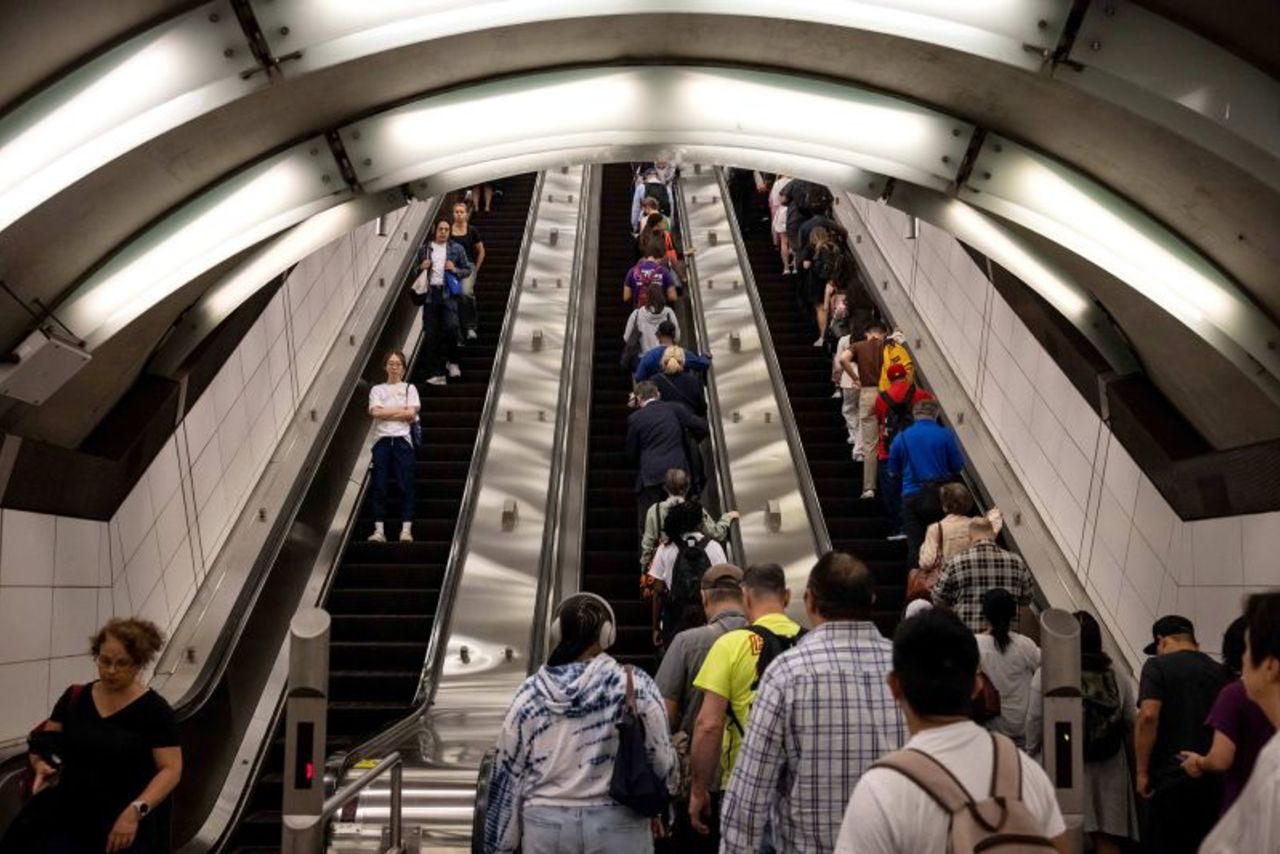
point(600, 829)
point(393, 455)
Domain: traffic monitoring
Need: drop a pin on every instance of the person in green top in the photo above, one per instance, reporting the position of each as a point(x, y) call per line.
point(677, 487)
point(728, 680)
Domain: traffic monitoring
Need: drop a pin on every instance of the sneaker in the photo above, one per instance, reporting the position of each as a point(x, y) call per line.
point(454, 370)
point(406, 534)
point(471, 335)
point(437, 380)
point(377, 536)
point(851, 441)
point(859, 458)
point(868, 494)
point(896, 537)
point(837, 394)
point(819, 342)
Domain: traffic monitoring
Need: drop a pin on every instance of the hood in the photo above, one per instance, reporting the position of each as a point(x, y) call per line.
point(580, 687)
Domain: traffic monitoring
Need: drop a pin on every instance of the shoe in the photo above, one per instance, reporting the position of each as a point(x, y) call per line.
point(837, 394)
point(454, 370)
point(859, 458)
point(896, 537)
point(471, 335)
point(868, 494)
point(820, 342)
point(437, 380)
point(851, 441)
point(377, 536)
point(406, 534)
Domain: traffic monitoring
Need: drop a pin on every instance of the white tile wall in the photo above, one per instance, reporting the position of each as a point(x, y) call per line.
point(60, 578)
point(1137, 559)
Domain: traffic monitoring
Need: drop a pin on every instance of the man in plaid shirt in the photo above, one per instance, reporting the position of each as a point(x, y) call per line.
point(984, 565)
point(822, 715)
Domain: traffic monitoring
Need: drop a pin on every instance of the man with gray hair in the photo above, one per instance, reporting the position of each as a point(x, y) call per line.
point(923, 457)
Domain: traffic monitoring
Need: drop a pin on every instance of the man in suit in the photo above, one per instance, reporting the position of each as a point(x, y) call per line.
point(656, 442)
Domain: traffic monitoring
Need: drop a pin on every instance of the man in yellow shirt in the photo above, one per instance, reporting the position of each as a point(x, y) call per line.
point(729, 678)
point(896, 353)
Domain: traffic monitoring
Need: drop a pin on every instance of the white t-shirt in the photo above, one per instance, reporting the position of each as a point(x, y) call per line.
point(846, 381)
point(1011, 673)
point(400, 394)
point(439, 255)
point(889, 814)
point(1253, 822)
point(664, 559)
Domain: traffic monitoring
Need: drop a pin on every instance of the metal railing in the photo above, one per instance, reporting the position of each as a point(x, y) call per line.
point(390, 764)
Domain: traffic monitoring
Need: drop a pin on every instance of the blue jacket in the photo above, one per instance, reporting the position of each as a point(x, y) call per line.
point(651, 362)
point(923, 452)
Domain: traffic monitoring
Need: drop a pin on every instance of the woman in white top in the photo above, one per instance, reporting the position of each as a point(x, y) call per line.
point(645, 320)
point(1008, 660)
point(951, 535)
point(394, 406)
point(778, 222)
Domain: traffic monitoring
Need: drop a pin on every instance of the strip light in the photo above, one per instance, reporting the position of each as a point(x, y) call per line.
point(153, 82)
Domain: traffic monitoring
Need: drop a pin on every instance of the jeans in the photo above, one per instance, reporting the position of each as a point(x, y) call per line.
point(441, 328)
point(600, 829)
point(891, 496)
point(393, 456)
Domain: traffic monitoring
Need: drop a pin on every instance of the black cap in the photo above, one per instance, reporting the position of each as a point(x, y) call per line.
point(1169, 624)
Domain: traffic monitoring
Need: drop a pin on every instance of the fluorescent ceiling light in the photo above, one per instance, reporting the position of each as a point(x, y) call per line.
point(232, 216)
point(133, 93)
point(1061, 204)
point(661, 106)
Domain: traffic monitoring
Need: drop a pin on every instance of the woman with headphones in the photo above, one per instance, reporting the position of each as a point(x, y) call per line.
point(549, 790)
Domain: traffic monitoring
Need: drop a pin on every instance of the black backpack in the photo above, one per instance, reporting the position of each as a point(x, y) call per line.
point(772, 646)
point(658, 192)
point(1103, 714)
point(684, 598)
point(898, 416)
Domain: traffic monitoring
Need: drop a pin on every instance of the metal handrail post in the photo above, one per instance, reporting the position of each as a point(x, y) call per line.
point(397, 806)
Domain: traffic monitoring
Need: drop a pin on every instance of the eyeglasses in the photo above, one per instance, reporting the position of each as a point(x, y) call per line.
point(108, 663)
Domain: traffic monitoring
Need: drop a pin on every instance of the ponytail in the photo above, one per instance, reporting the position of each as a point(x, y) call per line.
point(999, 608)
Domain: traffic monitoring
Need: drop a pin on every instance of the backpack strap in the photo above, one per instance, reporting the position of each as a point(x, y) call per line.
point(1006, 769)
point(934, 778)
point(629, 703)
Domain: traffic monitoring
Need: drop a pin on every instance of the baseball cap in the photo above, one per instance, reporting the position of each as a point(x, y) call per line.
point(723, 575)
point(1169, 624)
point(896, 372)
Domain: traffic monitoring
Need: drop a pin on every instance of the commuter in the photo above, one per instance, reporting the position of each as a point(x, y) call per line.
point(822, 715)
point(722, 606)
point(923, 457)
point(107, 758)
point(966, 577)
point(677, 384)
point(650, 186)
point(394, 405)
point(896, 353)
point(1240, 728)
point(658, 227)
point(1009, 660)
point(824, 260)
point(468, 237)
point(934, 678)
point(651, 362)
point(549, 788)
point(950, 535)
point(676, 486)
point(895, 408)
point(728, 679)
point(866, 356)
point(1175, 695)
point(1110, 810)
point(437, 291)
point(648, 209)
point(844, 373)
point(1253, 822)
point(778, 222)
point(677, 569)
point(656, 434)
point(641, 332)
point(482, 198)
point(795, 198)
point(651, 268)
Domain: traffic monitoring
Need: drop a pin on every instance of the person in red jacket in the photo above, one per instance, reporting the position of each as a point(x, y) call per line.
point(893, 411)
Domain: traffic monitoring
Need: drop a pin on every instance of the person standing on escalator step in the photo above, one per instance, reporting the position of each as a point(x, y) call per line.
point(437, 289)
point(394, 405)
point(656, 443)
point(895, 411)
point(923, 457)
point(468, 237)
point(867, 356)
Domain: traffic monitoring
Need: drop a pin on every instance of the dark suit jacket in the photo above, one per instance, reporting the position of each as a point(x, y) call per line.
point(684, 387)
point(655, 440)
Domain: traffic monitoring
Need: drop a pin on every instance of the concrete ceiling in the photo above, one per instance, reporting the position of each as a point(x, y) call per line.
point(1249, 29)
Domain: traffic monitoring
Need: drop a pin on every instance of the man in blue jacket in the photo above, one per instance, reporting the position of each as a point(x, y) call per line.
point(924, 456)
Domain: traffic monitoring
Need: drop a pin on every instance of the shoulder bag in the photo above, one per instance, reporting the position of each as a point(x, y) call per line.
point(415, 426)
point(634, 783)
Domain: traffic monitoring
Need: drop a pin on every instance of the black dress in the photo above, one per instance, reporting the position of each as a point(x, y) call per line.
point(108, 762)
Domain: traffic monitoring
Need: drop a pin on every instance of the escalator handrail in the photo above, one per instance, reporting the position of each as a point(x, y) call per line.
point(724, 474)
point(808, 491)
point(338, 764)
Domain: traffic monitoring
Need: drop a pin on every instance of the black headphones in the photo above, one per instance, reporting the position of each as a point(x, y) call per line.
point(608, 634)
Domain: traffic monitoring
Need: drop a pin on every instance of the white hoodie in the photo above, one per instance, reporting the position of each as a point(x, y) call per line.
point(559, 740)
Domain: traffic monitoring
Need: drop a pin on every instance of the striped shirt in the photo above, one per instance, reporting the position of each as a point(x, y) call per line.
point(822, 716)
point(966, 576)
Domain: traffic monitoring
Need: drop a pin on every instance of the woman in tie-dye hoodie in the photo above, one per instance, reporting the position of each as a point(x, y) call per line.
point(549, 789)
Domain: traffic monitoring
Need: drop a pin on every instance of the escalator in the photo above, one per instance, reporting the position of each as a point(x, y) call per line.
point(383, 597)
point(854, 525)
point(611, 552)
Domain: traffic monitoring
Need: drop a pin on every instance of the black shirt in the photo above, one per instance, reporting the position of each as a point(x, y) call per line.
point(108, 761)
point(1186, 683)
point(468, 241)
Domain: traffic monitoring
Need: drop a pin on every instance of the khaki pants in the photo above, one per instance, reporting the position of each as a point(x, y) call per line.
point(870, 428)
point(849, 409)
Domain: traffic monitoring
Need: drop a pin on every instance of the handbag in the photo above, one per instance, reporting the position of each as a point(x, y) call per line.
point(415, 426)
point(452, 284)
point(920, 581)
point(986, 705)
point(634, 783)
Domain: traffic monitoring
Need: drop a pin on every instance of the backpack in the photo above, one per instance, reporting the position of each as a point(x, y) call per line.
point(1103, 714)
point(1000, 823)
point(898, 416)
point(683, 593)
point(658, 192)
point(772, 646)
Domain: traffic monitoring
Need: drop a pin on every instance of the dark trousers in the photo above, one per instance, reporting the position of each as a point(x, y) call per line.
point(441, 328)
point(890, 486)
point(1181, 816)
point(919, 510)
point(393, 457)
point(646, 498)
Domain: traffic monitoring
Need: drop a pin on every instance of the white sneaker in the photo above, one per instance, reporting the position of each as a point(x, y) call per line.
point(896, 537)
point(837, 394)
point(440, 380)
point(858, 458)
point(454, 370)
point(868, 494)
point(471, 335)
point(819, 342)
point(851, 441)
point(406, 534)
point(377, 536)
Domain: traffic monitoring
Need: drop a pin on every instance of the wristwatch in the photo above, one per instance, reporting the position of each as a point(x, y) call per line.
point(142, 808)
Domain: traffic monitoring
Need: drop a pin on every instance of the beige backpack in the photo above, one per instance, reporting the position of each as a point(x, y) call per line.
point(1001, 823)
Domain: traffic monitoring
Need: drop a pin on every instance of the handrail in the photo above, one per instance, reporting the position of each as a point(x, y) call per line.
point(433, 661)
point(808, 492)
point(481, 809)
point(340, 798)
point(724, 474)
point(553, 536)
